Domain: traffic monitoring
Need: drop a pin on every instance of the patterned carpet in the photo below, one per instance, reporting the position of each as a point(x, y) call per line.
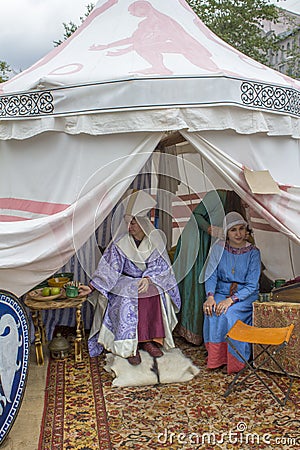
point(84, 412)
point(74, 412)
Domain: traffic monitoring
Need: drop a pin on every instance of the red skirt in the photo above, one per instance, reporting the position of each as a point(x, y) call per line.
point(150, 321)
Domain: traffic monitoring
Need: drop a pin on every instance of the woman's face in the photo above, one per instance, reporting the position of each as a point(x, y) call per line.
point(237, 235)
point(135, 230)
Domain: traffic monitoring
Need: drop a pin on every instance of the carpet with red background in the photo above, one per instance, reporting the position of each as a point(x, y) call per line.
point(83, 411)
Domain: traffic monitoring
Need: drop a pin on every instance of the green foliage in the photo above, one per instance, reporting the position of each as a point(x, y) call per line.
point(71, 27)
point(239, 23)
point(4, 71)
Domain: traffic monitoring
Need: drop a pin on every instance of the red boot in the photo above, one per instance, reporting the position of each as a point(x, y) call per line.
point(135, 360)
point(152, 349)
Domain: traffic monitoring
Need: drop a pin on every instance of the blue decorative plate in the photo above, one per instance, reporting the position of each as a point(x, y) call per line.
point(14, 355)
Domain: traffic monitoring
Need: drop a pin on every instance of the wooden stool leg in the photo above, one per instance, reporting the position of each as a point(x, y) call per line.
point(82, 329)
point(37, 338)
point(78, 339)
point(42, 328)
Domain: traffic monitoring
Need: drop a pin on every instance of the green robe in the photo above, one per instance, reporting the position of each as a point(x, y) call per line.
point(191, 252)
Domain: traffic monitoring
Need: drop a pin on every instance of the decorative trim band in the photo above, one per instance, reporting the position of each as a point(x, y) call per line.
point(23, 105)
point(253, 94)
point(274, 98)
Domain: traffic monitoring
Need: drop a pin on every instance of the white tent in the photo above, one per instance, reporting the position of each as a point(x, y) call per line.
point(80, 124)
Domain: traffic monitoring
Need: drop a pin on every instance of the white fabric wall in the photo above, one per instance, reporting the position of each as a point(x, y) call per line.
point(55, 167)
point(83, 173)
point(280, 210)
point(276, 217)
point(261, 151)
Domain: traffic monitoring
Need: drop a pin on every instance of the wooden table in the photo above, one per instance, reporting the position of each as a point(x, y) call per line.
point(37, 306)
point(281, 314)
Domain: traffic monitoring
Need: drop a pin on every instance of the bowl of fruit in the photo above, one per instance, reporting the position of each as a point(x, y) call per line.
point(57, 282)
point(69, 275)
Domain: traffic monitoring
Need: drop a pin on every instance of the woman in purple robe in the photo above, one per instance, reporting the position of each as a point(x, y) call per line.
point(135, 276)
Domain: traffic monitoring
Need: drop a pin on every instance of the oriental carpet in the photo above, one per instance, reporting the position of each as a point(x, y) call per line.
point(74, 410)
point(83, 411)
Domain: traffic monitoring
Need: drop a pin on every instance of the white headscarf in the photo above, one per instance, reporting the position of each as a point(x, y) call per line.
point(139, 203)
point(232, 219)
point(137, 206)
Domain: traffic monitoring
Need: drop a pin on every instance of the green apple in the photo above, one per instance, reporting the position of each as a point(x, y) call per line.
point(55, 290)
point(46, 291)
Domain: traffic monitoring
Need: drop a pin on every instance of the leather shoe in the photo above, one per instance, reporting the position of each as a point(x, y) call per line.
point(135, 360)
point(224, 369)
point(152, 349)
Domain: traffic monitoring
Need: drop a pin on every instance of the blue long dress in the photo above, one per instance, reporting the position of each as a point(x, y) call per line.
point(229, 265)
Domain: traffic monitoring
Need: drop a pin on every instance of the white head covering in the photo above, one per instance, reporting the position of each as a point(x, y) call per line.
point(232, 219)
point(137, 205)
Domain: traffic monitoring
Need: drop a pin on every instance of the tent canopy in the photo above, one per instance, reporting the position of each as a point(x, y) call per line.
point(150, 61)
point(80, 124)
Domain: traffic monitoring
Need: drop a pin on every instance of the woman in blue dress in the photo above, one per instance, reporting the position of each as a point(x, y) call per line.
point(191, 256)
point(232, 277)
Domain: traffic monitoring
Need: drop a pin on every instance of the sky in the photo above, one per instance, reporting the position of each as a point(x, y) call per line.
point(290, 5)
point(29, 27)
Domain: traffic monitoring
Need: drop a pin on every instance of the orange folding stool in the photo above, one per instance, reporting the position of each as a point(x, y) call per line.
point(271, 341)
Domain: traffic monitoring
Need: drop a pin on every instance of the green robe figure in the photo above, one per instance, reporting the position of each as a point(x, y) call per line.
point(202, 229)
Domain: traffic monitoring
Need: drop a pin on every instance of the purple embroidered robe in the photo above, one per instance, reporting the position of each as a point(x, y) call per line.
point(117, 279)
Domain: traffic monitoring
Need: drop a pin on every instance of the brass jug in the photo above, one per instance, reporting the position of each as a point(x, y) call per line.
point(59, 347)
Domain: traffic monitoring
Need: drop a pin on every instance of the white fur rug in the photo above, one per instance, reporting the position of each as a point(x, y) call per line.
point(172, 367)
